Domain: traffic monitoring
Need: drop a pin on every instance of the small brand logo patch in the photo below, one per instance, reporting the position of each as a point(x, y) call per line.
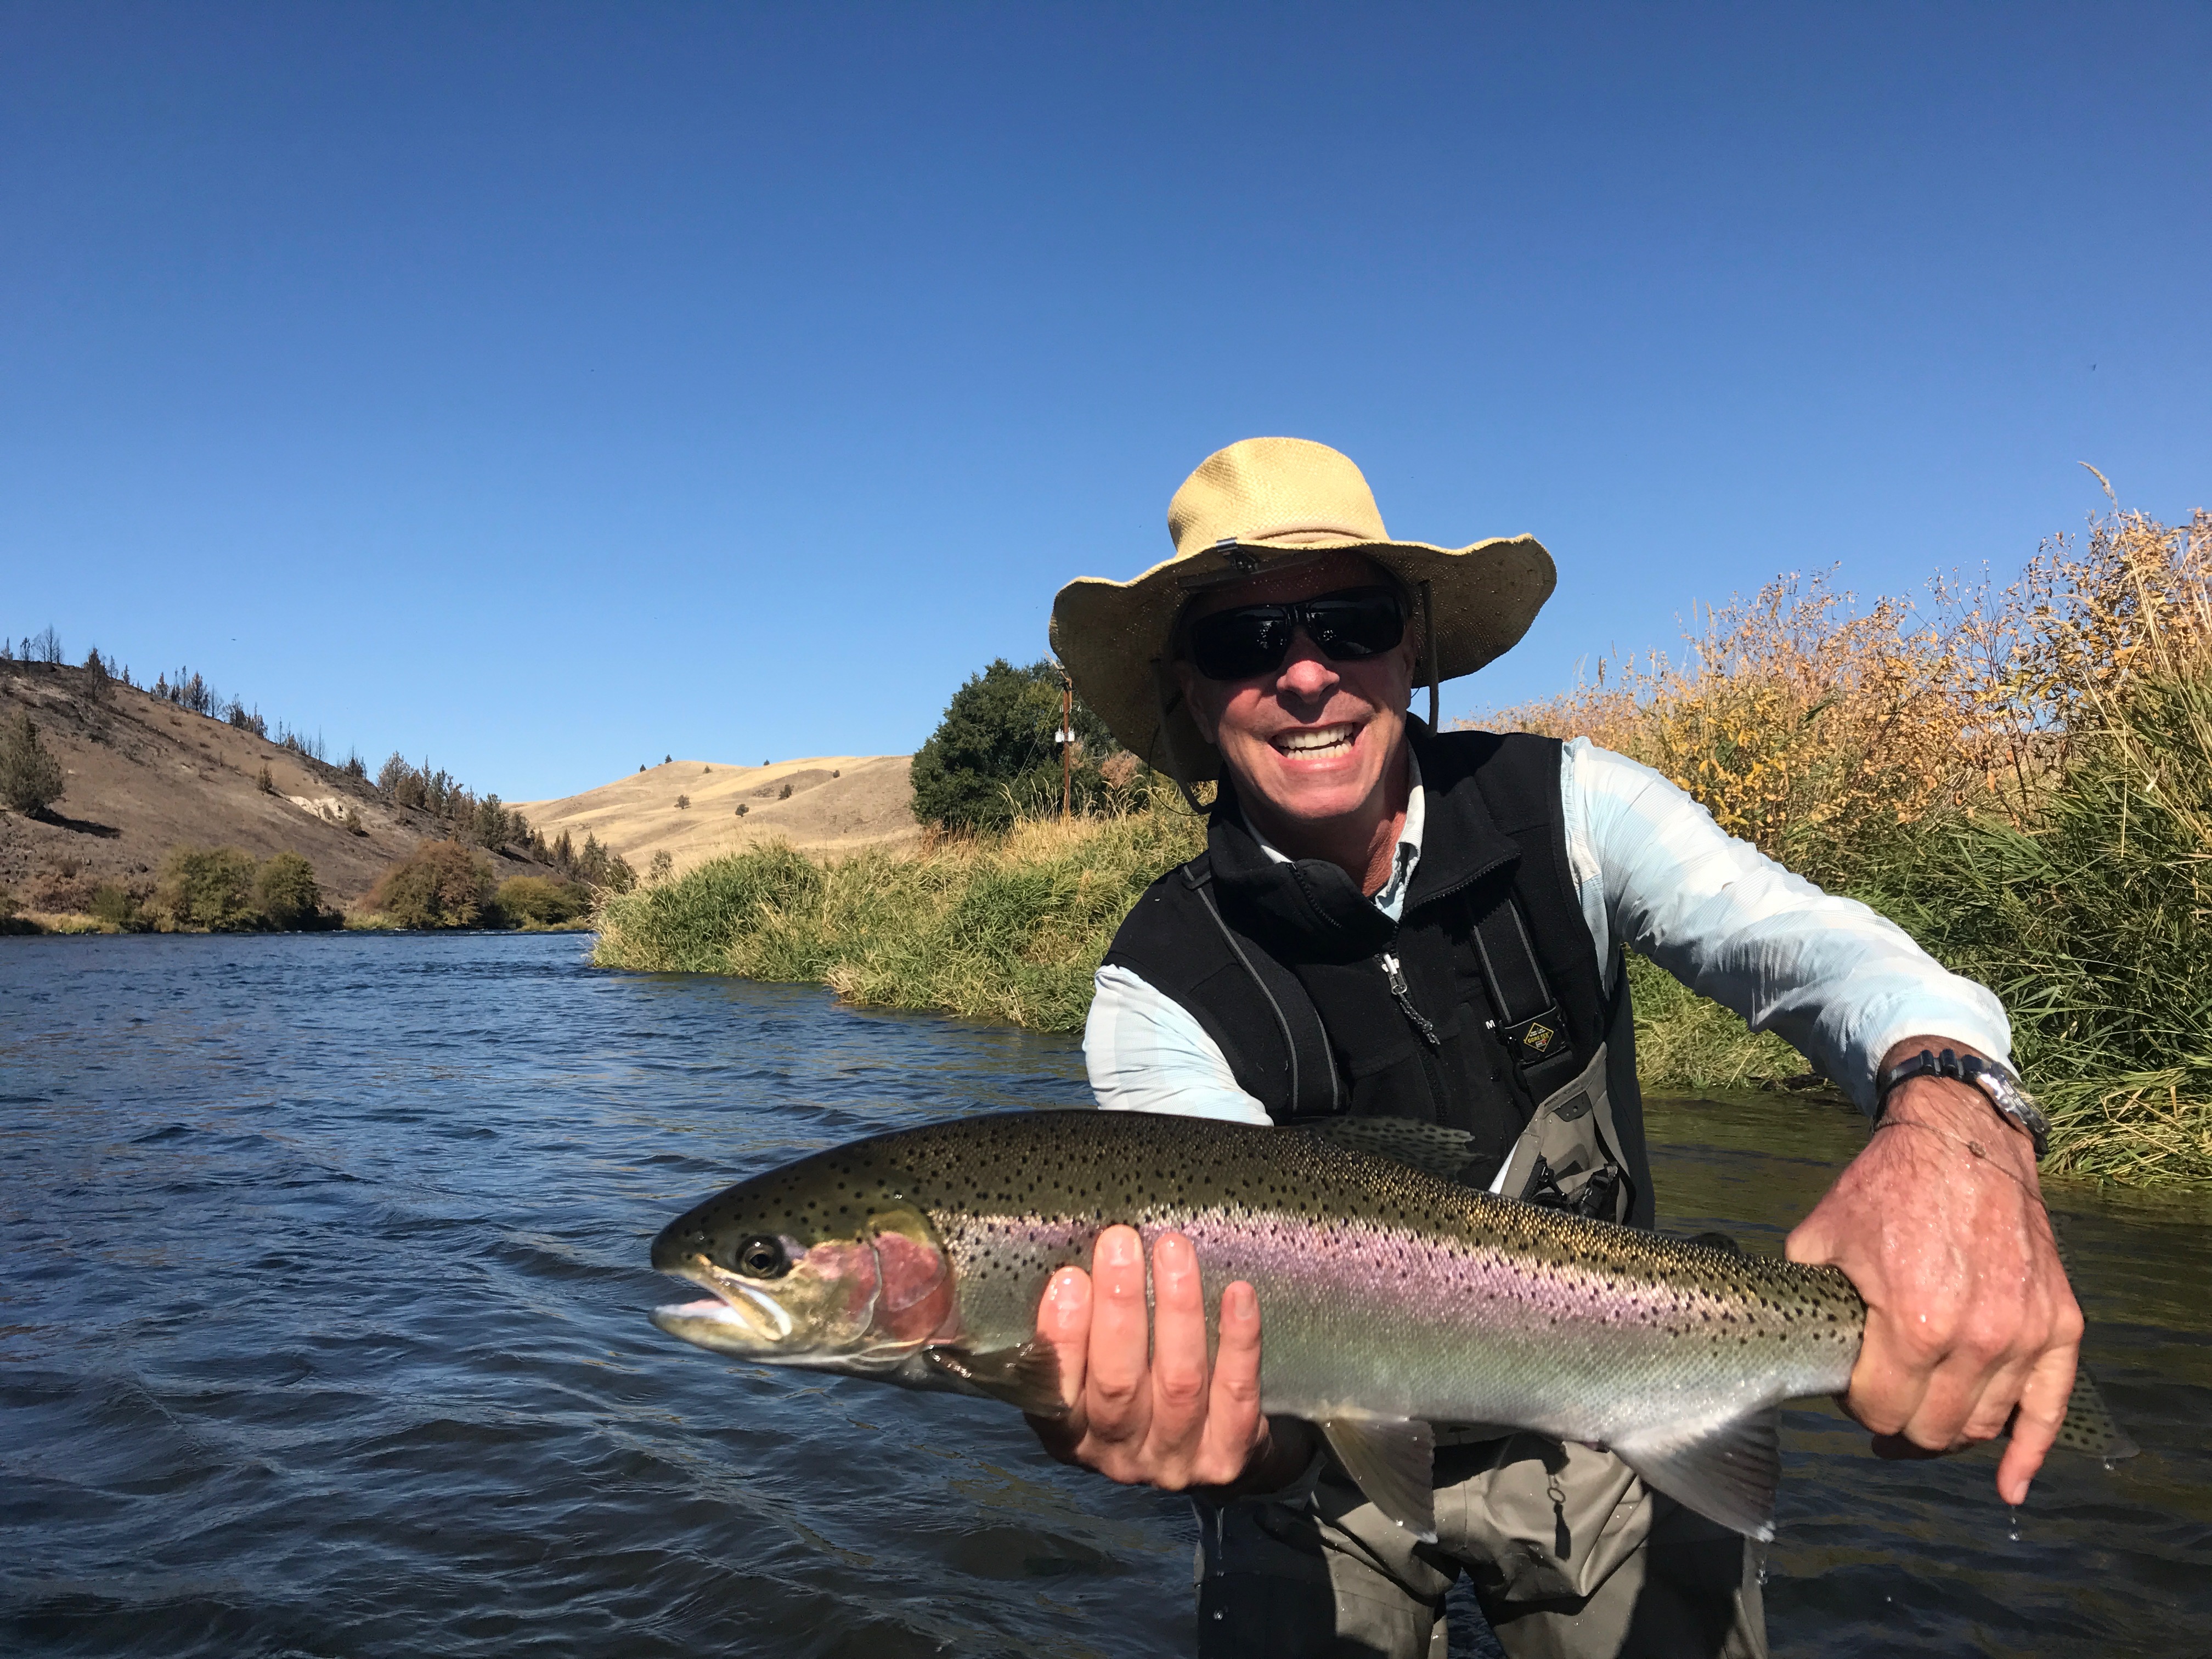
point(1538, 1039)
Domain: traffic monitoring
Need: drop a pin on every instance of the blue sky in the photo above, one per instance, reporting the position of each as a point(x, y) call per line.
point(545, 389)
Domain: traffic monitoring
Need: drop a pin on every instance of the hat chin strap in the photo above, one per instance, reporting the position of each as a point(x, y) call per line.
point(1161, 670)
point(1429, 651)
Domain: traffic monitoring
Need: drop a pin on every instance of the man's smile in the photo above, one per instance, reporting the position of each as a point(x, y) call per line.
point(1317, 740)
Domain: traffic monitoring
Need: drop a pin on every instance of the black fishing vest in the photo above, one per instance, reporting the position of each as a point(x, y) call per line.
point(1484, 1001)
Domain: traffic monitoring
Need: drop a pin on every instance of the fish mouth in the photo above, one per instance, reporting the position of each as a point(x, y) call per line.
point(737, 1317)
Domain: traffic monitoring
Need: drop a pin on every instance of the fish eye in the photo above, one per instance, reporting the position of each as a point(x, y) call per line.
point(763, 1258)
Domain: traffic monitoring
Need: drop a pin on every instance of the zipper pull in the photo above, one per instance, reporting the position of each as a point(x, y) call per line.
point(1397, 976)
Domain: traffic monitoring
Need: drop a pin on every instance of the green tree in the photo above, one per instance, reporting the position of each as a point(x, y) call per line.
point(31, 779)
point(993, 757)
point(442, 884)
point(207, 889)
point(285, 889)
point(115, 906)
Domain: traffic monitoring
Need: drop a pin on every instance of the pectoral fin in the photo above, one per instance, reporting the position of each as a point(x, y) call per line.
point(1027, 1375)
point(1727, 1473)
point(1393, 1460)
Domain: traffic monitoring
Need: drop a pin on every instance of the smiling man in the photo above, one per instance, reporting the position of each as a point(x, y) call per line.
point(1390, 922)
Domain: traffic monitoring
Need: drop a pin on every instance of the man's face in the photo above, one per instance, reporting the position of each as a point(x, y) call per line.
point(1312, 738)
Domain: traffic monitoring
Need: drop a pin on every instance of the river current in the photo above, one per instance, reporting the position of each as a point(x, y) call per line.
point(323, 1331)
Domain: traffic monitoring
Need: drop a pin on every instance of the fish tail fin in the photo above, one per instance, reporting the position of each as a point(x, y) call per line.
point(1726, 1471)
point(2089, 1427)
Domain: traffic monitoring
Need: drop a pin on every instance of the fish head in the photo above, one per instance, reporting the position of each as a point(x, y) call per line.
point(813, 1265)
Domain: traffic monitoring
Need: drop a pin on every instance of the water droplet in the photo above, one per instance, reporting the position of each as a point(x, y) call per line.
point(2111, 1463)
point(2013, 1526)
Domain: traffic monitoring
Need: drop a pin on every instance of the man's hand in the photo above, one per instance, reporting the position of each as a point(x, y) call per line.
point(1144, 1406)
point(1939, 1223)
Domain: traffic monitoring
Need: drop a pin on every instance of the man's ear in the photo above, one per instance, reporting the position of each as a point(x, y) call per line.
point(1195, 687)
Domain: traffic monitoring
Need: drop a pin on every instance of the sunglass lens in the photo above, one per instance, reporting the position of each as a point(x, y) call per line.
point(1355, 626)
point(1235, 645)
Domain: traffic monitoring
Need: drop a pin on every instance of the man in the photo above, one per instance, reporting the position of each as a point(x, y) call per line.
point(1394, 923)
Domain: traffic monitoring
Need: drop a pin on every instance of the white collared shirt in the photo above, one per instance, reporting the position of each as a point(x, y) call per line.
point(1839, 982)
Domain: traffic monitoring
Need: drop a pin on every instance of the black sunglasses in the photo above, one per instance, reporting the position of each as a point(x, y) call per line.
point(1347, 626)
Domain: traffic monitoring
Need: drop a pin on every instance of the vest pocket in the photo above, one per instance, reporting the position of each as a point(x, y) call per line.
point(1569, 1157)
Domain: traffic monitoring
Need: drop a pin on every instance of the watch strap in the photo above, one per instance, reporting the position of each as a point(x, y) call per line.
point(1998, 1084)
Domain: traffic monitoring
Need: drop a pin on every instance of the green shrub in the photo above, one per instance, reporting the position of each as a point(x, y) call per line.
point(117, 905)
point(208, 888)
point(442, 884)
point(31, 779)
point(993, 759)
point(285, 888)
point(539, 901)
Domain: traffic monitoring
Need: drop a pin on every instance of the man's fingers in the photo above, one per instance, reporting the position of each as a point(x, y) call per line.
point(1116, 1398)
point(2036, 1424)
point(1064, 1322)
point(1232, 1415)
point(1178, 1345)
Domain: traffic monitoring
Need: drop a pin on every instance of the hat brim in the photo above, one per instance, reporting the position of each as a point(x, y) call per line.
point(1113, 636)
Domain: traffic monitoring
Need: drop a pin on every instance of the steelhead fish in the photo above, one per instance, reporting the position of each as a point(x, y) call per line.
point(1390, 1299)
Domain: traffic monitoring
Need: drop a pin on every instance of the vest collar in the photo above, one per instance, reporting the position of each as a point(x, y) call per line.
point(1461, 842)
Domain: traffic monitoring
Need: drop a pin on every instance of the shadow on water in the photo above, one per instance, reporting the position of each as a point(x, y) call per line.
point(323, 1331)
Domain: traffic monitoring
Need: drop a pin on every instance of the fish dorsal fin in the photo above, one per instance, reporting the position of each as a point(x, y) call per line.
point(1027, 1375)
point(1432, 1148)
point(1727, 1473)
point(2089, 1427)
point(1393, 1459)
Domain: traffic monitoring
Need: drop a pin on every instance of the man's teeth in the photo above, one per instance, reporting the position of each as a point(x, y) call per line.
point(1305, 742)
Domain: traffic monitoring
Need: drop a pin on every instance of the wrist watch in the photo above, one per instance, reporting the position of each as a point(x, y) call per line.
point(2001, 1086)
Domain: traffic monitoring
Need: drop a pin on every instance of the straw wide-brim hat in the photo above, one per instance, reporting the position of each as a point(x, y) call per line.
point(1266, 503)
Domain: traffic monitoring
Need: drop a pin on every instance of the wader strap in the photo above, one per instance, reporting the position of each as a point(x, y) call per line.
point(1529, 1024)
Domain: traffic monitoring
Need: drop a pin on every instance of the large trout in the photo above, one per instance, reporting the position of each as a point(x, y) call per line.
point(1390, 1299)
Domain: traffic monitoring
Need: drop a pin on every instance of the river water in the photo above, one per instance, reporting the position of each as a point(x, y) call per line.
point(322, 1332)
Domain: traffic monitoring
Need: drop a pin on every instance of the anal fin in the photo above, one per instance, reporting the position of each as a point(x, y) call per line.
point(1727, 1473)
point(1027, 1375)
point(1393, 1459)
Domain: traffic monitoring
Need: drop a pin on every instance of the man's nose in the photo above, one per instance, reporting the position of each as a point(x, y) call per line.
point(1305, 672)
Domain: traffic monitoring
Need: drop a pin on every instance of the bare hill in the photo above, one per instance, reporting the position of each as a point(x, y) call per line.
point(144, 775)
point(836, 803)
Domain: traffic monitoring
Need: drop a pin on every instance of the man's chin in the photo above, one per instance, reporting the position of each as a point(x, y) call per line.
point(1306, 797)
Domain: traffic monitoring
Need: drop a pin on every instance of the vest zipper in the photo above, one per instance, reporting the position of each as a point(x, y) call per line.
point(1397, 976)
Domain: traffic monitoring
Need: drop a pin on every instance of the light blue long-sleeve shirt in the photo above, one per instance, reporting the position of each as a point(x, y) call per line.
point(1840, 983)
